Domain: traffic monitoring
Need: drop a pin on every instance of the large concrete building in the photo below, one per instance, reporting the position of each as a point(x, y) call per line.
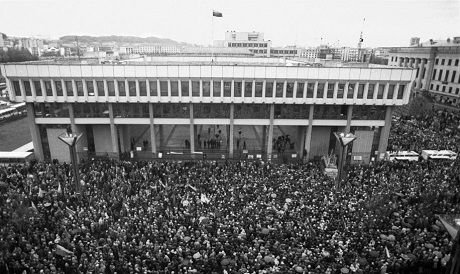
point(227, 108)
point(438, 68)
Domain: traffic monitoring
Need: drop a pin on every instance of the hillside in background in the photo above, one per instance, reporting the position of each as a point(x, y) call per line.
point(118, 39)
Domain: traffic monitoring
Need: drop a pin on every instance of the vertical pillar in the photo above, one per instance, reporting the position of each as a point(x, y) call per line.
point(113, 131)
point(301, 137)
point(270, 132)
point(192, 130)
point(35, 133)
point(160, 135)
point(230, 141)
point(264, 137)
point(420, 73)
point(152, 130)
point(309, 130)
point(349, 115)
point(385, 132)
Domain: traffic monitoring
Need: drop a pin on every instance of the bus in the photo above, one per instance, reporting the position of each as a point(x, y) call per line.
point(410, 156)
point(439, 155)
point(13, 112)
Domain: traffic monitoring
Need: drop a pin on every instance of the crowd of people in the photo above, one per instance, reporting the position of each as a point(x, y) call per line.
point(229, 217)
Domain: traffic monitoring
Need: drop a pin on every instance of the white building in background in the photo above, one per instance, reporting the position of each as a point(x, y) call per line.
point(310, 53)
point(151, 49)
point(414, 42)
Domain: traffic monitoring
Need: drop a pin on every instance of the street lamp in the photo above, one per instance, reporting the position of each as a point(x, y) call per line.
point(71, 139)
point(452, 224)
point(345, 139)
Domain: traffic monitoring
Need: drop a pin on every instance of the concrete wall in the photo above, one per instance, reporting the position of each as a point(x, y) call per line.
point(362, 146)
point(58, 149)
point(102, 138)
point(320, 141)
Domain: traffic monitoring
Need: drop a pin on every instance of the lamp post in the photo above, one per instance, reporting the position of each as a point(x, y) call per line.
point(345, 139)
point(71, 139)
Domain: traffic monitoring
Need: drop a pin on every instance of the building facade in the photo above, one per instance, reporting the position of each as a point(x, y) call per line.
point(234, 107)
point(438, 69)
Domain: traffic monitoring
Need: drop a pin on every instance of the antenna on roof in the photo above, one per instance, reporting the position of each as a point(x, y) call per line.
point(360, 42)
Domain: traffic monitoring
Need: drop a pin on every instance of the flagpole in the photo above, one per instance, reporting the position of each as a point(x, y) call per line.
point(212, 37)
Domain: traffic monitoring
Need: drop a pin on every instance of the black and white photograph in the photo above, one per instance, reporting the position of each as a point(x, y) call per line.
point(221, 137)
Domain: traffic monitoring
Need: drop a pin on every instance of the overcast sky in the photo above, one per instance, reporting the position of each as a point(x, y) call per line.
point(285, 22)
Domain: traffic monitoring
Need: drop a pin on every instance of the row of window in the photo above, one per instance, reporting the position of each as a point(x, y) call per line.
point(446, 76)
point(240, 89)
point(247, 45)
point(442, 62)
point(443, 88)
point(180, 110)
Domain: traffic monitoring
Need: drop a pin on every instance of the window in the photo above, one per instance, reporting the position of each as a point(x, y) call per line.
point(351, 91)
point(437, 61)
point(446, 77)
point(258, 89)
point(310, 90)
point(290, 90)
point(90, 87)
point(454, 73)
point(27, 88)
point(196, 89)
point(320, 90)
point(164, 88)
point(69, 88)
point(360, 91)
point(442, 62)
point(340, 90)
point(370, 91)
point(330, 90)
point(450, 89)
point(227, 89)
point(437, 87)
point(100, 88)
point(269, 89)
point(206, 89)
point(401, 91)
point(153, 88)
point(440, 75)
point(300, 89)
point(457, 91)
point(216, 88)
point(434, 74)
point(449, 62)
point(132, 88)
point(279, 89)
point(174, 88)
point(248, 89)
point(391, 91)
point(58, 85)
point(48, 89)
point(431, 86)
point(456, 62)
point(80, 90)
point(111, 87)
point(380, 91)
point(17, 88)
point(184, 88)
point(142, 88)
point(237, 89)
point(443, 88)
point(38, 88)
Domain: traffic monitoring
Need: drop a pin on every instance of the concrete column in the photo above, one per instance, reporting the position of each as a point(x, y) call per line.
point(429, 73)
point(152, 130)
point(300, 138)
point(385, 132)
point(73, 126)
point(32, 87)
point(231, 133)
point(309, 130)
point(160, 135)
point(420, 74)
point(35, 133)
point(405, 60)
point(113, 130)
point(349, 116)
point(399, 61)
point(264, 137)
point(270, 132)
point(192, 129)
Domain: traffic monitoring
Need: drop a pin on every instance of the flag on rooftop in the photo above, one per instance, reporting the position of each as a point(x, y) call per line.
point(216, 13)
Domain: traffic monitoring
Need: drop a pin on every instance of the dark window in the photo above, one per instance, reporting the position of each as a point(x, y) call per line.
point(351, 91)
point(320, 91)
point(196, 88)
point(443, 88)
point(330, 90)
point(335, 112)
point(289, 90)
point(269, 89)
point(206, 88)
point(174, 88)
point(216, 88)
point(380, 91)
point(454, 73)
point(401, 91)
point(17, 88)
point(310, 90)
point(211, 110)
point(255, 111)
point(69, 88)
point(100, 88)
point(450, 89)
point(132, 88)
point(153, 86)
point(442, 62)
point(38, 88)
point(300, 89)
point(58, 85)
point(289, 111)
point(227, 89)
point(361, 112)
point(111, 87)
point(258, 89)
point(184, 88)
point(27, 88)
point(449, 62)
point(391, 91)
point(164, 88)
point(121, 88)
point(370, 91)
point(248, 89)
point(340, 90)
point(440, 75)
point(279, 89)
point(446, 77)
point(237, 89)
point(48, 89)
point(434, 74)
point(456, 62)
point(437, 61)
point(360, 91)
point(80, 90)
point(142, 88)
point(90, 87)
